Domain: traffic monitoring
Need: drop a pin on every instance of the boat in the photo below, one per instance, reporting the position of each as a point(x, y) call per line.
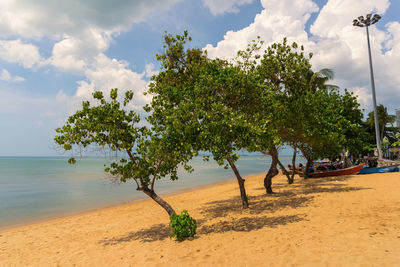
point(339, 172)
point(379, 170)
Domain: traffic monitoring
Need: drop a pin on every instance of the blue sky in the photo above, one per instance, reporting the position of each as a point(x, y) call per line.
point(53, 54)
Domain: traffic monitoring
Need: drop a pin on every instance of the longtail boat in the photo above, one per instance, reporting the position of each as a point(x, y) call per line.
point(379, 170)
point(339, 172)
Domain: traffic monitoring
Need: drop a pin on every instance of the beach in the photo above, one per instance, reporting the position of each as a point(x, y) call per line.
point(350, 221)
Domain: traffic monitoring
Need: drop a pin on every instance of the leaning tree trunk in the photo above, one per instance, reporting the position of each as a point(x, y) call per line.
point(285, 172)
point(273, 170)
point(308, 164)
point(294, 165)
point(159, 200)
point(241, 181)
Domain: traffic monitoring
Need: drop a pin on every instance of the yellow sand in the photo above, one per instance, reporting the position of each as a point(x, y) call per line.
point(347, 221)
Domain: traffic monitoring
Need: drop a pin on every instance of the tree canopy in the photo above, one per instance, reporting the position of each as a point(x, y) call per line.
point(194, 97)
point(146, 156)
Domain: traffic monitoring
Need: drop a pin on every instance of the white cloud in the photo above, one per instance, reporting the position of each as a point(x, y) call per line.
point(336, 44)
point(280, 18)
point(16, 51)
point(300, 9)
point(343, 48)
point(76, 53)
point(149, 70)
point(5, 75)
point(337, 15)
point(109, 73)
point(35, 19)
point(81, 31)
point(218, 7)
point(363, 96)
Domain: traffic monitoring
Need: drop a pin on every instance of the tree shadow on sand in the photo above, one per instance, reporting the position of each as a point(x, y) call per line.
point(159, 232)
point(325, 185)
point(301, 194)
point(296, 195)
point(156, 232)
point(248, 224)
point(258, 204)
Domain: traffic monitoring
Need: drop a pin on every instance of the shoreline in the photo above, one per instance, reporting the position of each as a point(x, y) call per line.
point(131, 202)
point(313, 222)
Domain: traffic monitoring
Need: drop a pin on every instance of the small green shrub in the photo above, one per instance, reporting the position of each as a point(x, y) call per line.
point(182, 225)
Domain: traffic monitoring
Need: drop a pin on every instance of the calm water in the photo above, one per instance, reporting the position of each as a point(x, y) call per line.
point(33, 188)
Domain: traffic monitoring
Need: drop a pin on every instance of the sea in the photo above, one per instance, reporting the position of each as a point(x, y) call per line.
point(39, 188)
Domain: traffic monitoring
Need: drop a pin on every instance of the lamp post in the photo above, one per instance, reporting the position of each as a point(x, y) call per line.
point(366, 22)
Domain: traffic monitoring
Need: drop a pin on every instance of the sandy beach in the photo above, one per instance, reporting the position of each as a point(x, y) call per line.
point(349, 221)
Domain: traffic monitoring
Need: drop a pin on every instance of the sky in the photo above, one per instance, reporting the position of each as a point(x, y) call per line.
point(55, 53)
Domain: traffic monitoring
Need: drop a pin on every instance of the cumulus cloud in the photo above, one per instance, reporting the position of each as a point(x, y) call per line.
point(349, 54)
point(279, 18)
point(81, 31)
point(5, 75)
point(218, 7)
point(111, 73)
point(336, 44)
point(75, 53)
point(336, 16)
point(149, 70)
point(35, 19)
point(16, 51)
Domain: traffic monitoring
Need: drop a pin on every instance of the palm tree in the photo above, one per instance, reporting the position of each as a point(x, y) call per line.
point(317, 80)
point(383, 119)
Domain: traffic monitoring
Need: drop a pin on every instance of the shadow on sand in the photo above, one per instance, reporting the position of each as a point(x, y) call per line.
point(301, 194)
point(156, 232)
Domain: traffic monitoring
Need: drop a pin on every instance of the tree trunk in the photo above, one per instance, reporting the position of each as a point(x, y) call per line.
point(308, 164)
point(241, 181)
point(285, 172)
point(272, 171)
point(294, 165)
point(159, 201)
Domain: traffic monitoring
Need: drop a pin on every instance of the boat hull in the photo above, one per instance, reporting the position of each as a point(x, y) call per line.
point(340, 172)
point(379, 170)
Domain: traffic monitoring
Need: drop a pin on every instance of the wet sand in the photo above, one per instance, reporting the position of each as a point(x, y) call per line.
point(350, 221)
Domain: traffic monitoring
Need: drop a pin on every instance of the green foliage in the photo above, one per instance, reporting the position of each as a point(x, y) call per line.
point(367, 137)
point(383, 119)
point(145, 155)
point(194, 99)
point(71, 160)
point(182, 226)
point(299, 108)
point(397, 140)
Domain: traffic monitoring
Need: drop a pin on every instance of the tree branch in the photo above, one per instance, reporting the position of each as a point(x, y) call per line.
point(155, 173)
point(133, 159)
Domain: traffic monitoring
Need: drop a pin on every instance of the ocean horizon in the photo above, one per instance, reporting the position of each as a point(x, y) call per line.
point(39, 188)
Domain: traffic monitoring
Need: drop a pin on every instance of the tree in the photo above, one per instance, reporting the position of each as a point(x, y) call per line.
point(354, 133)
point(282, 70)
point(333, 125)
point(193, 97)
point(383, 118)
point(318, 80)
point(147, 156)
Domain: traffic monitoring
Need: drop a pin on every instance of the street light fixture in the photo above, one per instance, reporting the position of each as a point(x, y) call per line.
point(366, 22)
